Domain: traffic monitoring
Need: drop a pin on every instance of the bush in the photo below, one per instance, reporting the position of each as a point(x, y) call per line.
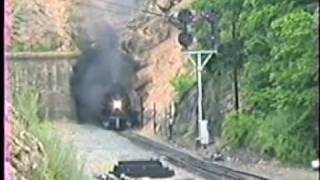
point(62, 164)
point(183, 84)
point(284, 137)
point(239, 130)
point(278, 135)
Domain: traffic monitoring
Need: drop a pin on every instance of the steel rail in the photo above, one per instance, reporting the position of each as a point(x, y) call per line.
point(203, 168)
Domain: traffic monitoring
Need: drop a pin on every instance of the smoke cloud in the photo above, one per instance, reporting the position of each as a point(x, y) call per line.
point(100, 67)
point(102, 64)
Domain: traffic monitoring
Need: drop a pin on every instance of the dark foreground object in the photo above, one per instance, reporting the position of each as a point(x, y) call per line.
point(138, 169)
point(205, 169)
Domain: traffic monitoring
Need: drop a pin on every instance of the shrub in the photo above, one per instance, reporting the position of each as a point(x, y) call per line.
point(183, 84)
point(279, 135)
point(285, 138)
point(239, 130)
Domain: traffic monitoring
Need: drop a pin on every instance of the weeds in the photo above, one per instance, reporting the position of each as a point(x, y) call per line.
point(62, 162)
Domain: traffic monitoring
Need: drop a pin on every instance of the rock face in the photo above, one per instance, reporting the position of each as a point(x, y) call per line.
point(217, 105)
point(152, 40)
point(28, 153)
point(42, 24)
point(144, 34)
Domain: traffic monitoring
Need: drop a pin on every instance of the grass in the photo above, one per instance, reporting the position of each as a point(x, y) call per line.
point(17, 47)
point(62, 162)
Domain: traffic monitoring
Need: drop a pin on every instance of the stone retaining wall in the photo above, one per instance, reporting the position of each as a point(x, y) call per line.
point(50, 74)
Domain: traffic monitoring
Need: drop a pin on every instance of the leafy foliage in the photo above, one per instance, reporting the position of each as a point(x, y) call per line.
point(278, 42)
point(239, 130)
point(183, 83)
point(62, 164)
point(281, 137)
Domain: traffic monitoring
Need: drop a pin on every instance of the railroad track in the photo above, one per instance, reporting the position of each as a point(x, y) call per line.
point(203, 168)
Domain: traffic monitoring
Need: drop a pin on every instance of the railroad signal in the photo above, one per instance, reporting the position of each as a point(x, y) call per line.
point(212, 41)
point(199, 58)
point(185, 16)
point(211, 17)
point(185, 39)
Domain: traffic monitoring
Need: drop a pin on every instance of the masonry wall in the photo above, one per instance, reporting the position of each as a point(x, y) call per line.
point(50, 74)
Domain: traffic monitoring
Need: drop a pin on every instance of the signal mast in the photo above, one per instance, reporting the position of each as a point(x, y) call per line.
point(199, 59)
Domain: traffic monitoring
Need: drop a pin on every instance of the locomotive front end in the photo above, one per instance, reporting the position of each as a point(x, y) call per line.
point(116, 111)
point(117, 105)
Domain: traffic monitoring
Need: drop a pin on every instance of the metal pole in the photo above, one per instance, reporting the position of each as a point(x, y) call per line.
point(154, 118)
point(203, 134)
point(199, 69)
point(141, 112)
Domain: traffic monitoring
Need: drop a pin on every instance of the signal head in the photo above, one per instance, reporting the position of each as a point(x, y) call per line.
point(185, 39)
point(185, 16)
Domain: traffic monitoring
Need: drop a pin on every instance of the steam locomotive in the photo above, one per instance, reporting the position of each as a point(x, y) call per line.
point(118, 113)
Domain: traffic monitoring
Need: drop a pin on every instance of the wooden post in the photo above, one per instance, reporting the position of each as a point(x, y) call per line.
point(171, 119)
point(166, 121)
point(154, 118)
point(141, 112)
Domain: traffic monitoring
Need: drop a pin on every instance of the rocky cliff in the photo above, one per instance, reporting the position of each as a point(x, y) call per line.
point(152, 41)
point(217, 105)
point(42, 25)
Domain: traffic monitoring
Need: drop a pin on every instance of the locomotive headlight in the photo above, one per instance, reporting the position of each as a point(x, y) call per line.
point(117, 104)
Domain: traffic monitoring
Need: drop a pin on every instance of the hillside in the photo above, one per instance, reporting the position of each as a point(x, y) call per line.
point(34, 154)
point(260, 94)
point(43, 25)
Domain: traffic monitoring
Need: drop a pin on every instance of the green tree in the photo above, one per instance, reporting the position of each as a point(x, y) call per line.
point(231, 54)
point(273, 43)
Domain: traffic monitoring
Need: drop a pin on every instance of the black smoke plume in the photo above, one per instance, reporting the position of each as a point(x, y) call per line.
point(100, 67)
